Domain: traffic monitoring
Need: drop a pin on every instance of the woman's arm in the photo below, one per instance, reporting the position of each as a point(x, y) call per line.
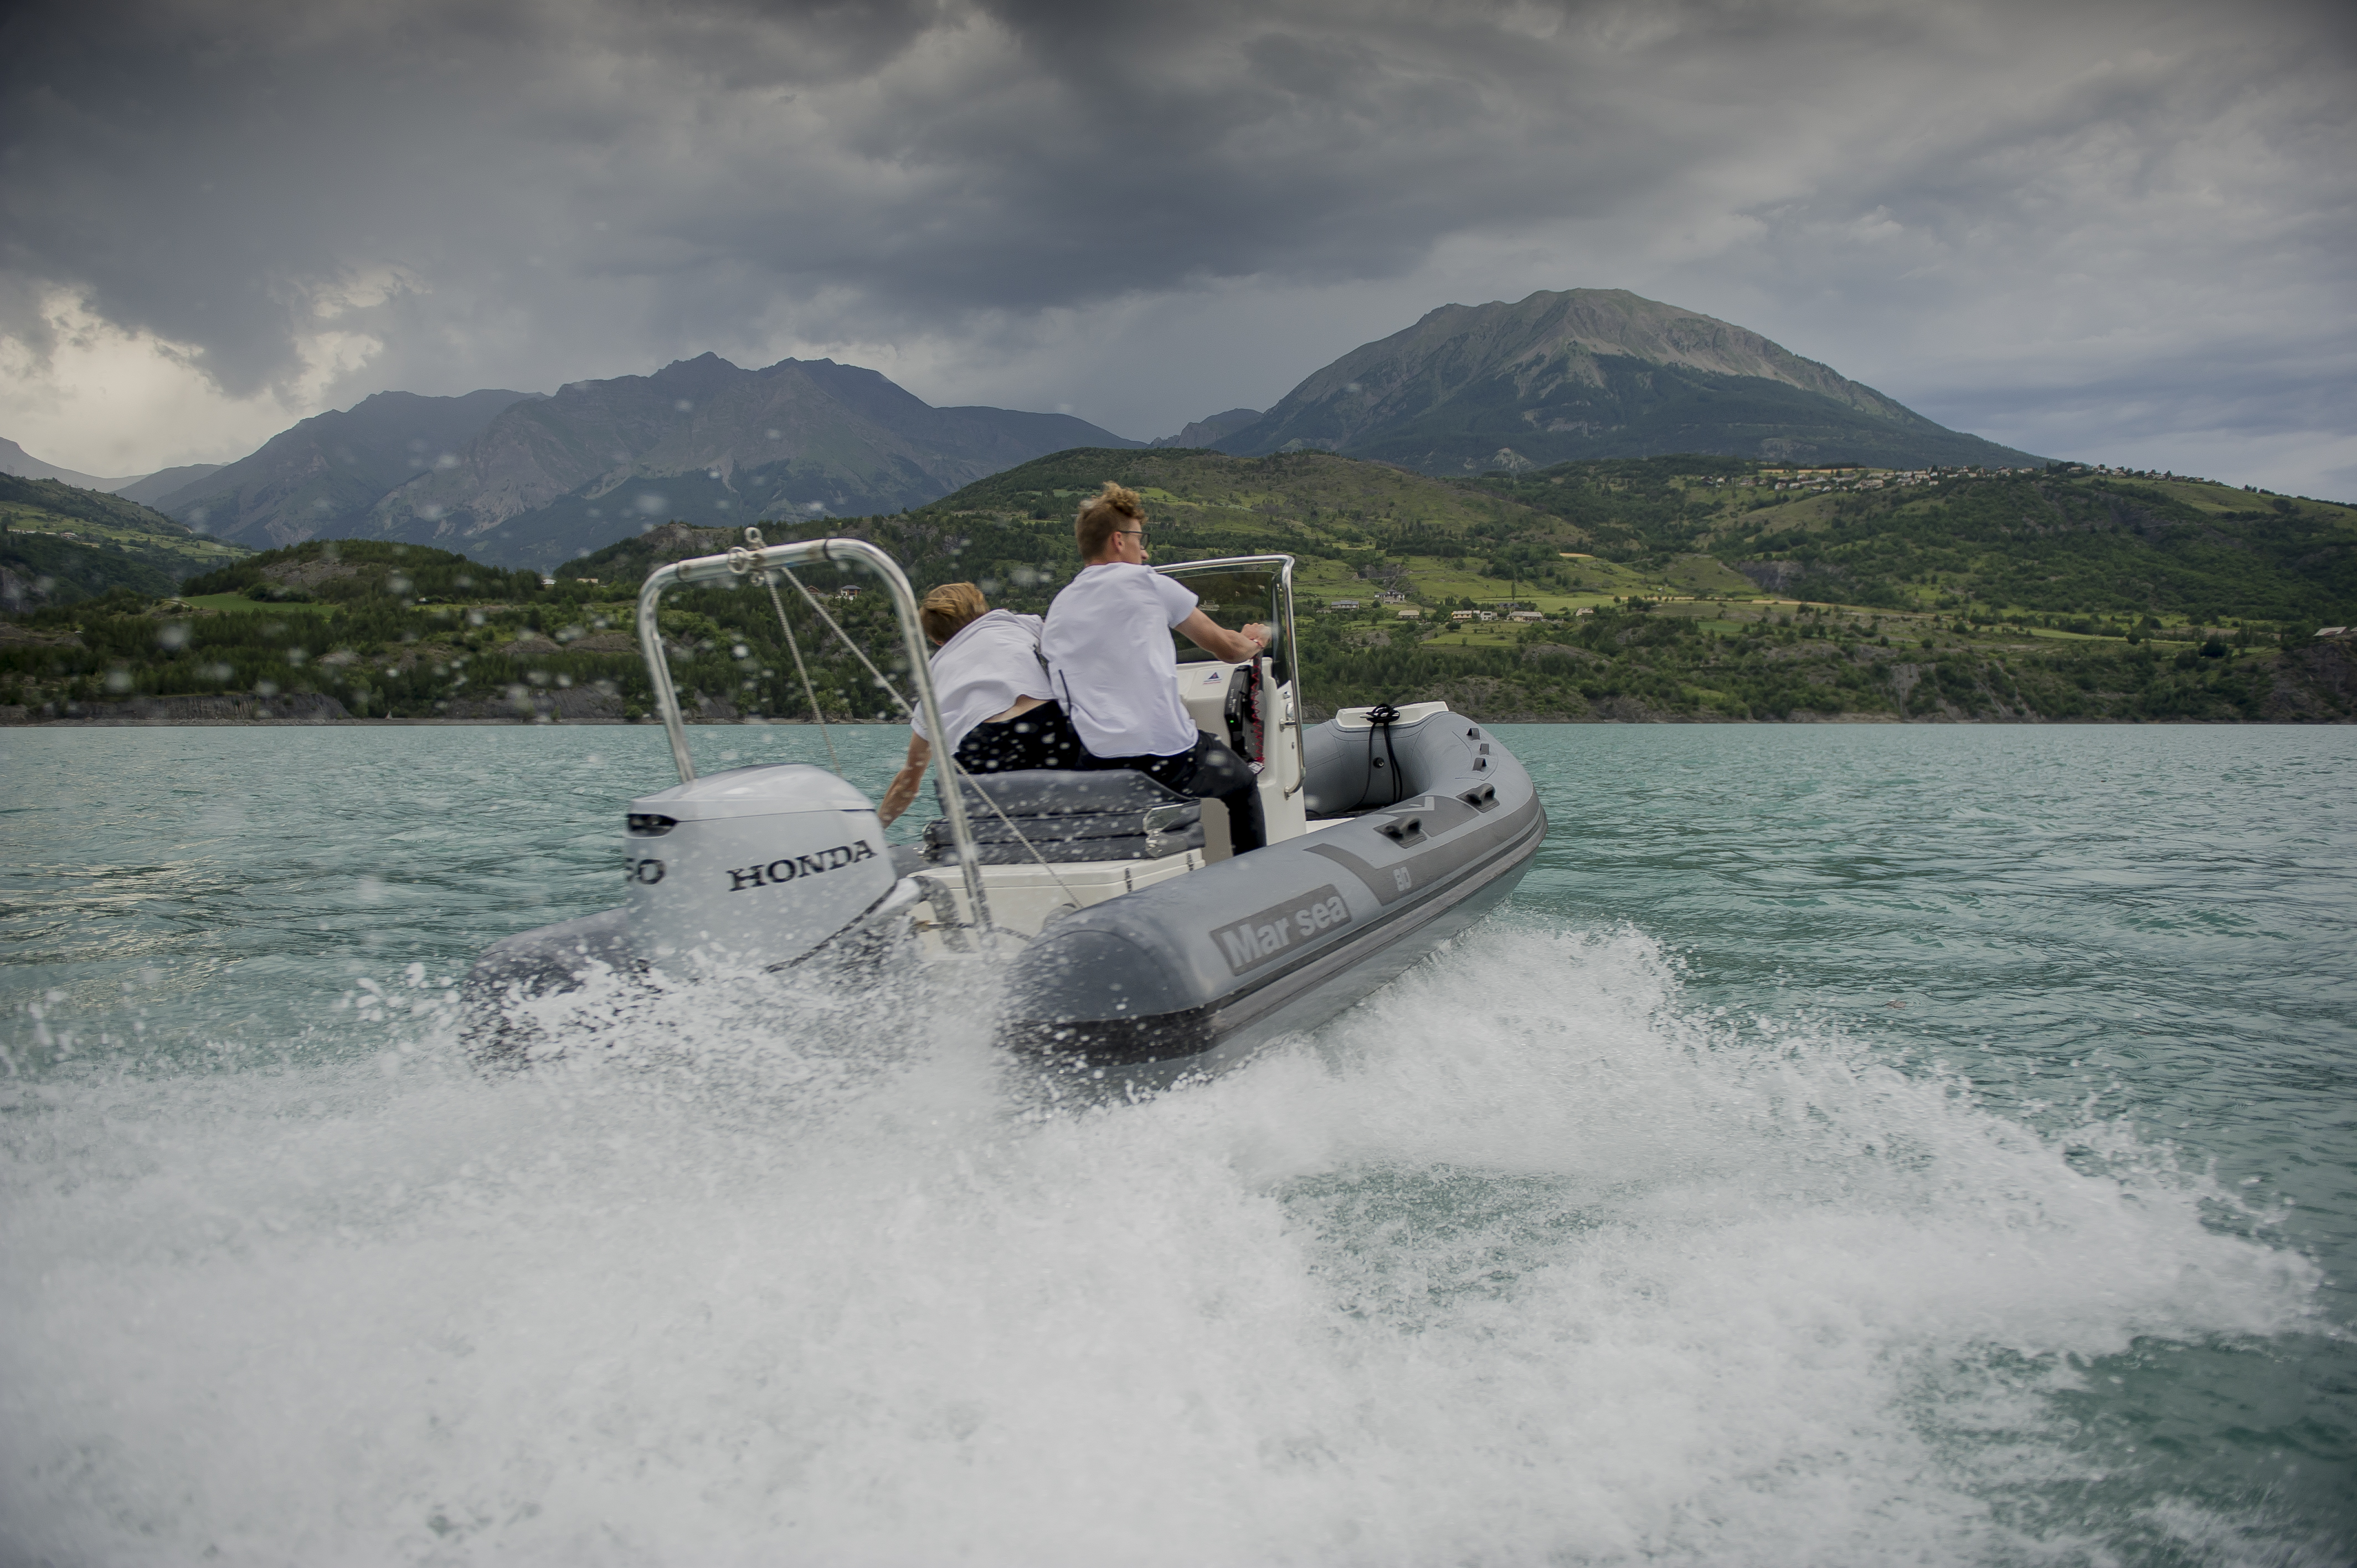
point(1236, 647)
point(903, 787)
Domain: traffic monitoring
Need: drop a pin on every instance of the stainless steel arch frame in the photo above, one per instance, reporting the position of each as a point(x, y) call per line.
point(1281, 566)
point(744, 564)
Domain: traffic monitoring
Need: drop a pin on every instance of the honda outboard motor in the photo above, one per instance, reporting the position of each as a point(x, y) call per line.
point(756, 867)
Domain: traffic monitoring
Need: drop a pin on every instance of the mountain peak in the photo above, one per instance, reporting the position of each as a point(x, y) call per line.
point(1570, 373)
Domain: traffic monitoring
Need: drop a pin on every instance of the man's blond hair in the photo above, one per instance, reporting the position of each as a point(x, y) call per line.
point(1104, 514)
point(951, 608)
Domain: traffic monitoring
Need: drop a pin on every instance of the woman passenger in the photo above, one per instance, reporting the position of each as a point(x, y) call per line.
point(993, 692)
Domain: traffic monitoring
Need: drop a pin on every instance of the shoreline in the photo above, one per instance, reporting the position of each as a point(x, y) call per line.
point(2316, 684)
point(113, 722)
point(1796, 720)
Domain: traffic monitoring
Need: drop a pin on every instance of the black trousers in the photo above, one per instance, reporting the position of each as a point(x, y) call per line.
point(1210, 772)
point(1038, 737)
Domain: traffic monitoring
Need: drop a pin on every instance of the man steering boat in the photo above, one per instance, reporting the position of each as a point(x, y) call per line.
point(1114, 669)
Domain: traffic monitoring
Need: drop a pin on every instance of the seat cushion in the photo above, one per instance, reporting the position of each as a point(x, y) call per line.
point(1073, 851)
point(1072, 816)
point(1057, 791)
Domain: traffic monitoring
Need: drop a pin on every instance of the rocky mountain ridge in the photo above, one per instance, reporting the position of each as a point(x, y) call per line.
point(704, 440)
point(325, 474)
point(522, 478)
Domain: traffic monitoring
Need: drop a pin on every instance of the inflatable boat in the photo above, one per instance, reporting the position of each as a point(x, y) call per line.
point(1120, 925)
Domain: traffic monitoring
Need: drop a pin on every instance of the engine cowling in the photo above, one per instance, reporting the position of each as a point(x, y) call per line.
point(752, 867)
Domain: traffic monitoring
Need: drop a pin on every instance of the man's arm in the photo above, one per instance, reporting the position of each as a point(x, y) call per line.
point(1236, 647)
point(903, 787)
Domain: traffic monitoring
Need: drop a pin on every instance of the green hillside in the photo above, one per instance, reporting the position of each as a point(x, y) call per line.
point(2062, 541)
point(384, 629)
point(1697, 587)
point(361, 571)
point(40, 568)
point(1668, 589)
point(1358, 528)
point(60, 544)
point(2054, 544)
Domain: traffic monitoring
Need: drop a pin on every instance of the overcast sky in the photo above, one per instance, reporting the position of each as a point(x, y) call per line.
point(2124, 233)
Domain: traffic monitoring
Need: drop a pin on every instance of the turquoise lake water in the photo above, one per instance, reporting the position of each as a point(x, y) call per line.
point(1851, 1145)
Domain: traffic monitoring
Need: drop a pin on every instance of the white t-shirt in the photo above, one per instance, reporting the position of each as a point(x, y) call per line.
point(1112, 663)
point(991, 660)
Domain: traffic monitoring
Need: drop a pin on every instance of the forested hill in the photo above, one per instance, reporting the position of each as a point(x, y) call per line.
point(1686, 588)
point(2065, 540)
point(1013, 532)
point(1208, 503)
point(2056, 542)
point(363, 571)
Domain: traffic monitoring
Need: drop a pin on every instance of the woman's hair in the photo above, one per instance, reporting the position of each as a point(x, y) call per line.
point(948, 609)
point(1102, 516)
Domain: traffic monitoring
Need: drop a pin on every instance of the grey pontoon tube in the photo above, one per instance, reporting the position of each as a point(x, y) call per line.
point(1283, 569)
point(804, 552)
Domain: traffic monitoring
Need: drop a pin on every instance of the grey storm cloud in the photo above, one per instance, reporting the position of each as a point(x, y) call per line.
point(1990, 208)
point(209, 172)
